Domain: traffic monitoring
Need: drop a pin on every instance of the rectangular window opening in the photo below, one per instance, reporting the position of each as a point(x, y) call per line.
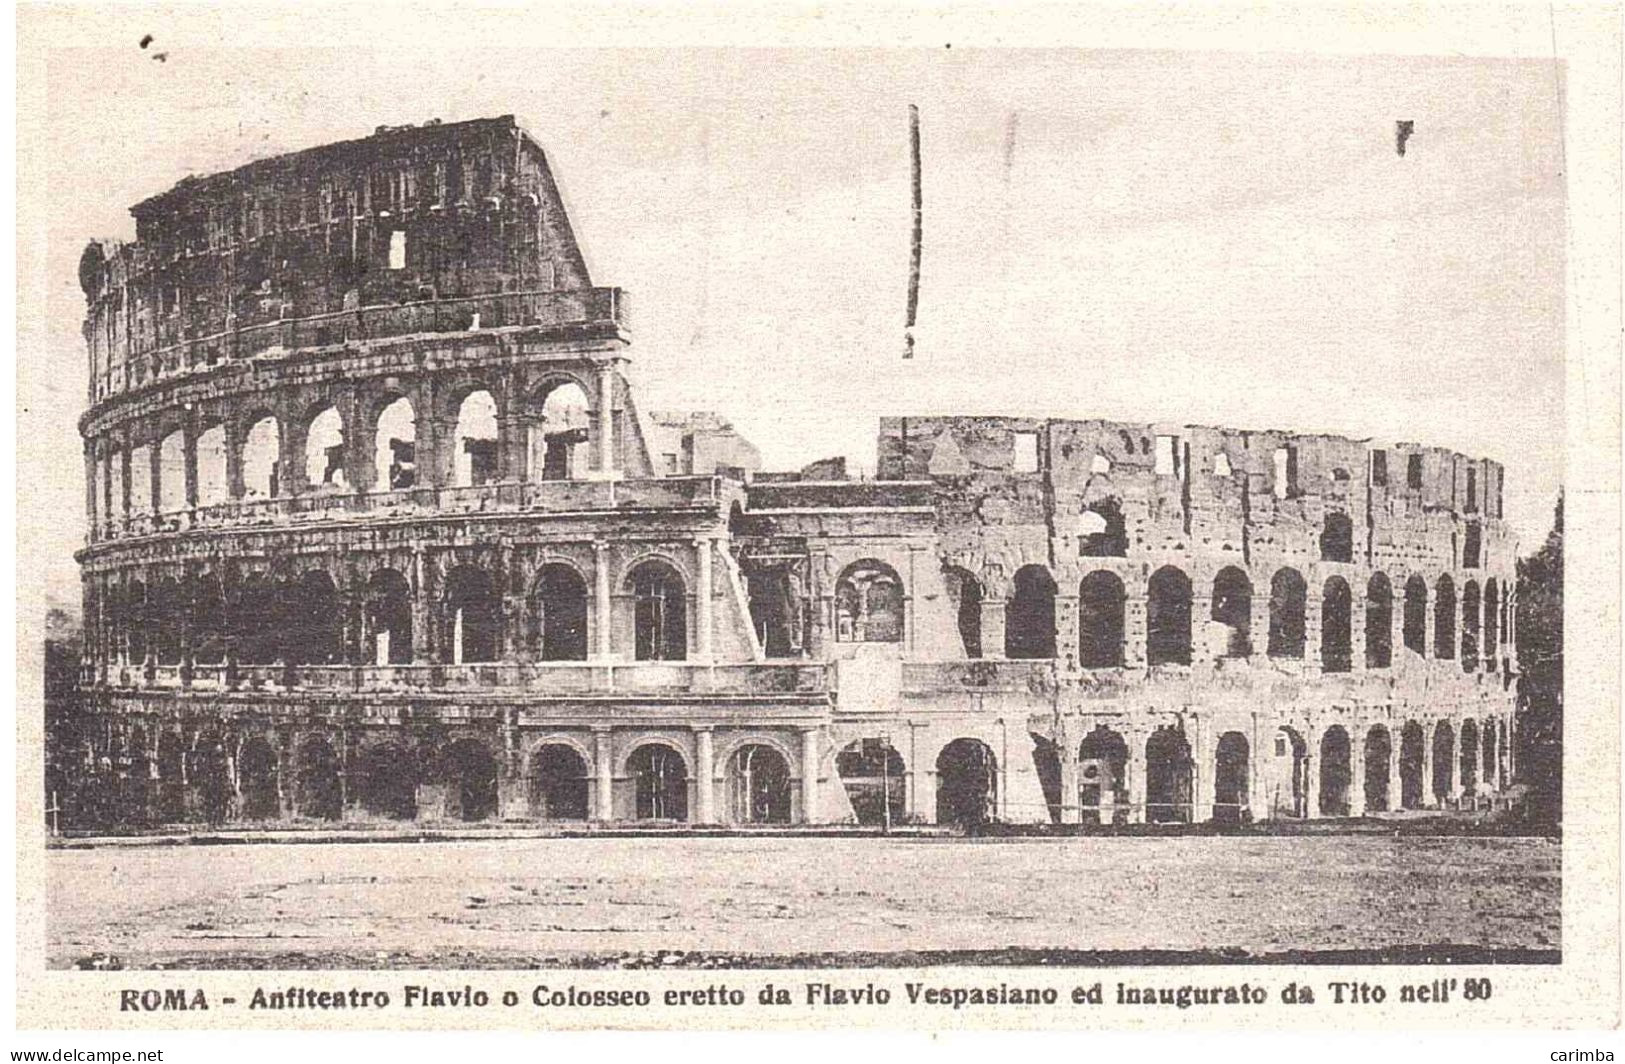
point(1413, 472)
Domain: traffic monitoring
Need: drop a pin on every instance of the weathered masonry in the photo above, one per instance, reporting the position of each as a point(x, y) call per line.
point(375, 533)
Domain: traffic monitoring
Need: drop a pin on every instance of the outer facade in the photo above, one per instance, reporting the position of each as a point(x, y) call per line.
point(376, 534)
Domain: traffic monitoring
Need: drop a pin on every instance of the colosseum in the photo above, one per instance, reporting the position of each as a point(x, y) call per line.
point(378, 532)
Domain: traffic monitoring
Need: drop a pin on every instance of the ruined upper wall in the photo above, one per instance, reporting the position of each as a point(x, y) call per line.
point(410, 214)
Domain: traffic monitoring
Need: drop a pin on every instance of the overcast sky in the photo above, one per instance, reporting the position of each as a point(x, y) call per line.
point(1141, 236)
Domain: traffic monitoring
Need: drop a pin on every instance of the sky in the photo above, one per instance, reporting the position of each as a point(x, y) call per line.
point(1194, 238)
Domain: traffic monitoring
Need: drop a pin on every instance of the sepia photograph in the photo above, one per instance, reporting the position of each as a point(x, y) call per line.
point(762, 508)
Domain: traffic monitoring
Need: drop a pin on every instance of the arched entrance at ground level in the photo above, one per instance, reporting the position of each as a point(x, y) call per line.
point(758, 786)
point(171, 778)
point(1230, 772)
point(1102, 789)
point(318, 795)
point(211, 776)
point(1412, 758)
point(1168, 772)
point(1491, 751)
point(1287, 772)
point(967, 783)
point(660, 783)
point(387, 778)
point(470, 773)
point(1334, 772)
point(872, 771)
point(1469, 758)
point(558, 783)
point(1444, 756)
point(257, 781)
point(1378, 753)
point(1047, 765)
point(134, 780)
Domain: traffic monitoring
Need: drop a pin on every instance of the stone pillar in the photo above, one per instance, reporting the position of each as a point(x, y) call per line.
point(606, 419)
point(1427, 764)
point(704, 777)
point(1134, 625)
point(1311, 627)
point(1396, 792)
point(809, 775)
point(1457, 788)
point(1357, 604)
point(1134, 773)
point(290, 474)
point(234, 460)
point(704, 606)
point(1067, 628)
point(993, 628)
point(1311, 770)
point(604, 777)
point(1204, 772)
point(603, 615)
point(189, 460)
point(423, 613)
point(1356, 769)
point(1067, 752)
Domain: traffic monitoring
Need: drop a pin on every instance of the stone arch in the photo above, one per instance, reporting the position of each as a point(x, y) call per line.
point(475, 457)
point(1232, 757)
point(1101, 604)
point(1444, 760)
point(1336, 626)
point(558, 427)
point(1377, 754)
point(659, 774)
point(171, 473)
point(1029, 615)
point(1102, 531)
point(869, 603)
point(205, 602)
point(387, 780)
point(1379, 622)
point(1490, 743)
point(1169, 772)
point(1233, 608)
point(209, 772)
point(1444, 618)
point(759, 790)
point(261, 457)
point(1168, 617)
point(167, 618)
point(395, 435)
point(1412, 762)
point(258, 780)
point(325, 438)
point(1470, 604)
point(314, 618)
point(1336, 775)
point(389, 618)
point(560, 775)
point(965, 593)
point(1469, 757)
point(967, 783)
point(319, 793)
point(213, 485)
point(469, 770)
point(1288, 630)
point(1102, 782)
point(659, 611)
point(472, 616)
point(1492, 629)
point(1416, 614)
point(256, 623)
point(558, 610)
point(171, 777)
point(873, 773)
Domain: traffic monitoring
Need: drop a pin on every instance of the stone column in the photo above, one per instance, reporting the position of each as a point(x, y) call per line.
point(1311, 628)
point(1067, 751)
point(1356, 769)
point(809, 775)
point(1457, 788)
point(1427, 764)
point(704, 777)
point(1204, 773)
point(1395, 791)
point(1357, 604)
point(603, 770)
point(1134, 625)
point(703, 604)
point(234, 460)
point(602, 613)
point(1311, 769)
point(606, 419)
point(189, 452)
point(1067, 627)
point(423, 613)
point(1134, 773)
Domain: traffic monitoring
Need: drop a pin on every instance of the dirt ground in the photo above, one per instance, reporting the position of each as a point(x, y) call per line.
point(721, 901)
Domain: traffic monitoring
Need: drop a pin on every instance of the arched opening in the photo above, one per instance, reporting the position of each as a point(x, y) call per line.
point(660, 780)
point(207, 626)
point(1287, 775)
point(387, 775)
point(1233, 608)
point(1029, 616)
point(1102, 782)
point(470, 773)
point(1101, 600)
point(474, 454)
point(262, 452)
point(172, 473)
point(1469, 626)
point(758, 786)
point(315, 621)
point(257, 626)
point(1230, 772)
point(1379, 622)
point(1334, 772)
point(319, 795)
point(1288, 634)
point(324, 452)
point(1047, 767)
point(141, 480)
point(1412, 760)
point(167, 618)
point(212, 485)
point(257, 781)
point(211, 776)
point(1336, 607)
point(868, 604)
point(558, 783)
point(967, 784)
point(1492, 630)
point(1378, 752)
point(1416, 614)
point(1469, 758)
point(1444, 760)
point(966, 595)
point(1444, 618)
point(395, 447)
point(473, 616)
point(135, 769)
point(557, 442)
point(1101, 530)
point(872, 772)
point(389, 618)
point(1168, 777)
point(659, 613)
point(1337, 538)
point(559, 611)
point(1168, 618)
point(171, 778)
point(1490, 742)
point(135, 622)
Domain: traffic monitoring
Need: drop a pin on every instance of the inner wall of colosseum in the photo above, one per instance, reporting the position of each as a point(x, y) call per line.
point(378, 532)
